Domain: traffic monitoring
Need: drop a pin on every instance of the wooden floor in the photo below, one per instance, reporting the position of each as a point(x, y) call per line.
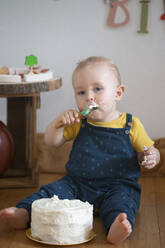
point(149, 231)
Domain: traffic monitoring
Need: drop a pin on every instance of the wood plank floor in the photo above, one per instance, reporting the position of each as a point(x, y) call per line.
point(149, 231)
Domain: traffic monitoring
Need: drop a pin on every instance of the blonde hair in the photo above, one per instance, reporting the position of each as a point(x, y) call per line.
point(98, 59)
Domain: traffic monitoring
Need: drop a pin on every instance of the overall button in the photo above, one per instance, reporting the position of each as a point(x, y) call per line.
point(127, 131)
point(129, 123)
point(83, 125)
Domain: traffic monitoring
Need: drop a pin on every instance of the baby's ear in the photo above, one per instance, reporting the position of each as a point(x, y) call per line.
point(119, 92)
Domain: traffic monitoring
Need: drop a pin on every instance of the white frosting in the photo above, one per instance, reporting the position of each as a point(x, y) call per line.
point(10, 78)
point(38, 77)
point(61, 221)
point(93, 105)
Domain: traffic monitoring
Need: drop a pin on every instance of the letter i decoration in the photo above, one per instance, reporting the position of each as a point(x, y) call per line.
point(144, 16)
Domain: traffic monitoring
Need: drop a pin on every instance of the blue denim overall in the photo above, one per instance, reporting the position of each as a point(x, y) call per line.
point(103, 170)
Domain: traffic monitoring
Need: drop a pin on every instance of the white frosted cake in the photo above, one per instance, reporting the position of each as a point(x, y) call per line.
point(61, 221)
point(22, 75)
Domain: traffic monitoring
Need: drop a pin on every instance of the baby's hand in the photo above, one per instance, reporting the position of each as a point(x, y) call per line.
point(149, 157)
point(68, 117)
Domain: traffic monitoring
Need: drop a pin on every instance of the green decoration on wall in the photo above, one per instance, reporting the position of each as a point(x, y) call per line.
point(144, 16)
point(31, 60)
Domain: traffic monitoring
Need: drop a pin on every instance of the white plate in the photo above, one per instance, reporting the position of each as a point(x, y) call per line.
point(29, 235)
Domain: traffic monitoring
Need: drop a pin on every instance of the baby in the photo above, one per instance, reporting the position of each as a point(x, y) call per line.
point(109, 148)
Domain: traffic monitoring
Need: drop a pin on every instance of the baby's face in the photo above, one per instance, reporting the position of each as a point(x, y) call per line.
point(96, 83)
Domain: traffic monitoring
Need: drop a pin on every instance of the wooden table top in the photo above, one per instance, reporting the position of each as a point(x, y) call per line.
point(24, 88)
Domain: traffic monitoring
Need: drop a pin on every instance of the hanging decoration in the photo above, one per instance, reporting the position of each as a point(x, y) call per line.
point(114, 5)
point(144, 16)
point(162, 17)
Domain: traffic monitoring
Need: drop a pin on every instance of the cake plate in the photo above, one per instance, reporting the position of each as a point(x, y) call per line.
point(29, 235)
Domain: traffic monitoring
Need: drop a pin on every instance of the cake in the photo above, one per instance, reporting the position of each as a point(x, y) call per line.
point(23, 75)
point(61, 221)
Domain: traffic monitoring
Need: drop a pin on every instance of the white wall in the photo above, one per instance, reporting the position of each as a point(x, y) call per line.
point(62, 32)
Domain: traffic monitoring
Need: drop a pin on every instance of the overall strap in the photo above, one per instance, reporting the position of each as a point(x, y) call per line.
point(128, 121)
point(84, 121)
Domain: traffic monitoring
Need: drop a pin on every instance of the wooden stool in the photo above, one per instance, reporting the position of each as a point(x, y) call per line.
point(22, 101)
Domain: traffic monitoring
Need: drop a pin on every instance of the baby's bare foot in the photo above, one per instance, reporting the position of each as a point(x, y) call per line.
point(15, 217)
point(119, 230)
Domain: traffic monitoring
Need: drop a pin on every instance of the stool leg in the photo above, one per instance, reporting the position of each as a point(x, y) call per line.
point(21, 121)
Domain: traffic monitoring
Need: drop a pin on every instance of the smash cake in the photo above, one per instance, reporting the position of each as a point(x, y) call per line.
point(61, 222)
point(26, 75)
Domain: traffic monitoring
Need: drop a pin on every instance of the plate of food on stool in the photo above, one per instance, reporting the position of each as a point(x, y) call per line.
point(33, 72)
